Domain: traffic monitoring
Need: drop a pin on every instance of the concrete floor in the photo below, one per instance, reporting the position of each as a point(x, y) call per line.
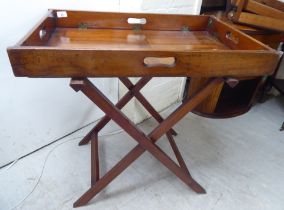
point(239, 161)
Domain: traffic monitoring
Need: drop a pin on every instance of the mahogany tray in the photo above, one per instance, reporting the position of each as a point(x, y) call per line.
point(95, 44)
point(100, 44)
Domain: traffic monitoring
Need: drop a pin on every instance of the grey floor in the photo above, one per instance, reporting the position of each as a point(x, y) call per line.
point(239, 161)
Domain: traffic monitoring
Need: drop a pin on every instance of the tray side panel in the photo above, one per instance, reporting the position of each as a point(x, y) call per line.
point(46, 28)
point(76, 19)
point(232, 37)
point(90, 63)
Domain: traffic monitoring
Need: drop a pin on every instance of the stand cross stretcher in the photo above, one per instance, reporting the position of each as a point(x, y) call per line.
point(145, 142)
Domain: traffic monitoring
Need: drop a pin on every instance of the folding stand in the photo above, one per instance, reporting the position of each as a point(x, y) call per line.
point(145, 142)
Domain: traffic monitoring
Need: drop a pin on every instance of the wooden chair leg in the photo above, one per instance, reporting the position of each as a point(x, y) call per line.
point(144, 142)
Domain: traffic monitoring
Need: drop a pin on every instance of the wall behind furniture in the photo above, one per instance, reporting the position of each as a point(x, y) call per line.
point(34, 112)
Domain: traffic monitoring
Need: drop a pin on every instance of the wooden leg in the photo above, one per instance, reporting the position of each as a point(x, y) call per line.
point(159, 118)
point(177, 153)
point(282, 127)
point(144, 142)
point(144, 102)
point(95, 168)
point(120, 104)
point(133, 91)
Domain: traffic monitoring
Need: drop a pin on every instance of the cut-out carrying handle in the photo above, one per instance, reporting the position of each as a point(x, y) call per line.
point(137, 21)
point(42, 33)
point(167, 62)
point(230, 36)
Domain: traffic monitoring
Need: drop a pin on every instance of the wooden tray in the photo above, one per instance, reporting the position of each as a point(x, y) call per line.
point(99, 44)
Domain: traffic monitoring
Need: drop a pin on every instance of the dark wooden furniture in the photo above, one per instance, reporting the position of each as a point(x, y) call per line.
point(225, 101)
point(275, 82)
point(279, 85)
point(212, 5)
point(79, 44)
point(267, 14)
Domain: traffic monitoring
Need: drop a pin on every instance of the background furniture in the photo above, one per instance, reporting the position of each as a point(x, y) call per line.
point(227, 102)
point(267, 14)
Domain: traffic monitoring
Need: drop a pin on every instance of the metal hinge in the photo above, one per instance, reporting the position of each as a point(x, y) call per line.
point(185, 29)
point(82, 26)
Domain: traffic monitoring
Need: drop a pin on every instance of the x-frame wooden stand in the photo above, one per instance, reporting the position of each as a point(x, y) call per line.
point(145, 142)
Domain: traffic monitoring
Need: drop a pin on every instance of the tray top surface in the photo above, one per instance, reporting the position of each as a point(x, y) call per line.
point(92, 44)
point(106, 39)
